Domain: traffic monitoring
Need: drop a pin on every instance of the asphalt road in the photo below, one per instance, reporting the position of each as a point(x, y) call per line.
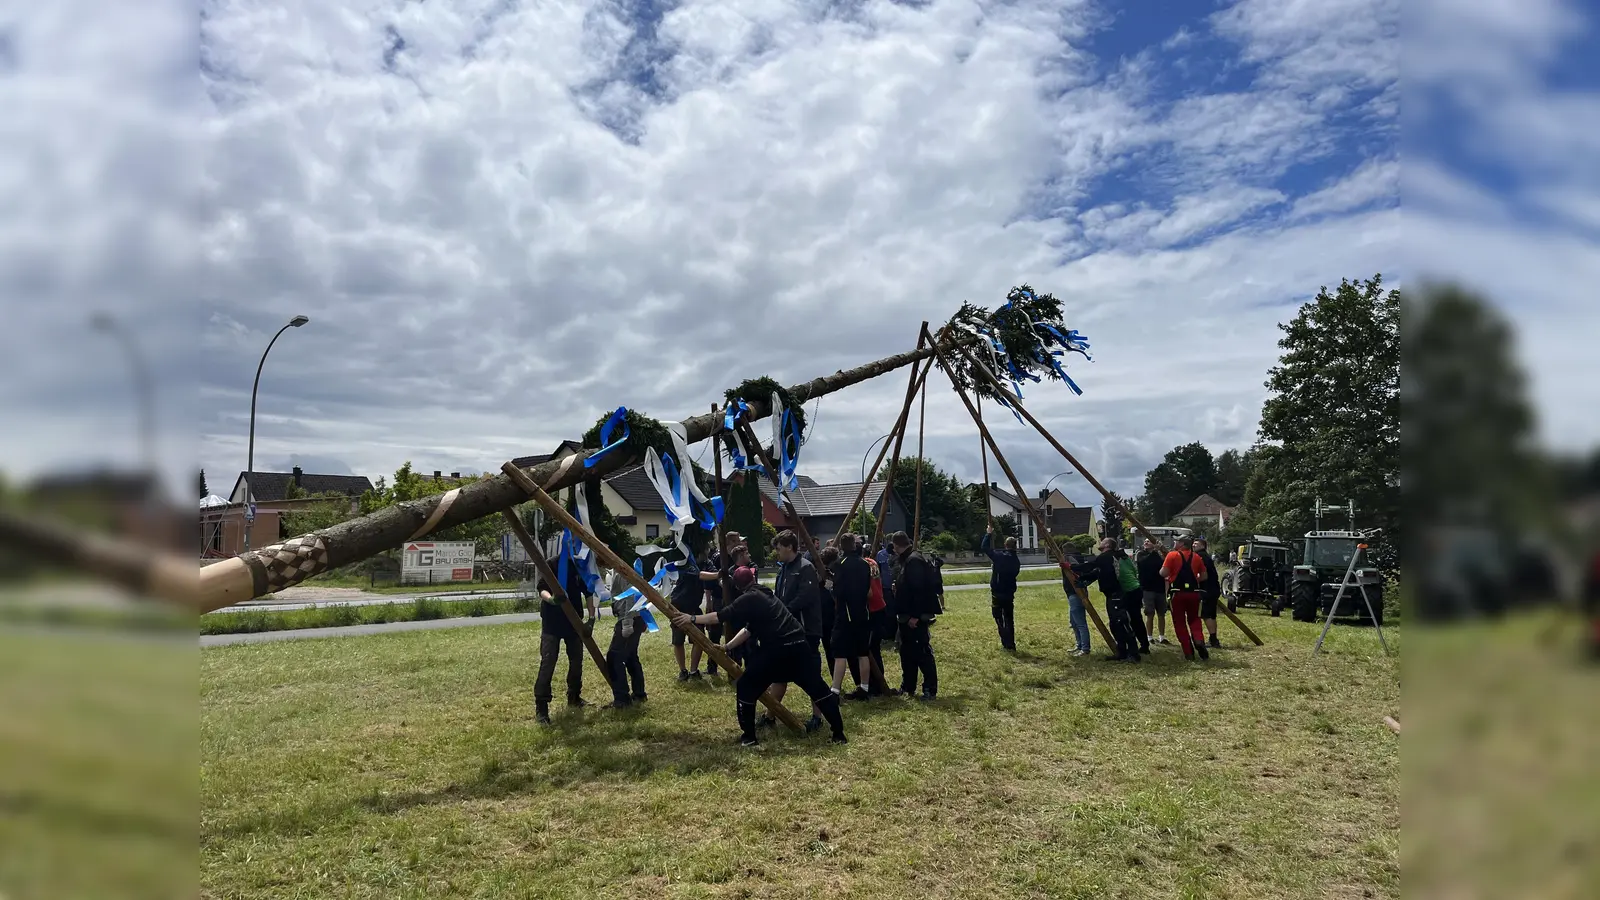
point(297, 634)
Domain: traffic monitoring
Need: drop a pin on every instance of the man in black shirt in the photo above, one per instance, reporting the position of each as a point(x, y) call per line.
point(687, 595)
point(555, 630)
point(1154, 586)
point(1210, 592)
point(782, 654)
point(1003, 569)
point(1103, 568)
point(916, 591)
point(799, 588)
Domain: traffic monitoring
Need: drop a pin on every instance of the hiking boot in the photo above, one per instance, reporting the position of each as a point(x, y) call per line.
point(694, 673)
point(620, 704)
point(541, 713)
point(640, 698)
point(857, 694)
point(576, 703)
point(1144, 649)
point(838, 738)
point(1215, 642)
point(927, 697)
point(748, 740)
point(683, 674)
point(1201, 649)
point(813, 723)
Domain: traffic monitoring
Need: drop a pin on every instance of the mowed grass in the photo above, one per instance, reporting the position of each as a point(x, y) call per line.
point(408, 765)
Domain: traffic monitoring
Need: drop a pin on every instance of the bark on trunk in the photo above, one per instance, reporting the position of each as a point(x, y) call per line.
point(273, 568)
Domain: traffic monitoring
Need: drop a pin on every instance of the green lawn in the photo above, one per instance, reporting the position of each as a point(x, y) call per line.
point(408, 765)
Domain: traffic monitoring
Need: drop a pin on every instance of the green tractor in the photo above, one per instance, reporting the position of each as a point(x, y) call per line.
point(1261, 576)
point(1315, 582)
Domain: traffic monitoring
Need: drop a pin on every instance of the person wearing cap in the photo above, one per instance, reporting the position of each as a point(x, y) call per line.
point(781, 654)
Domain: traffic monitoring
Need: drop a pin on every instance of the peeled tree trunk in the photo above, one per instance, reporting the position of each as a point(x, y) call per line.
point(273, 568)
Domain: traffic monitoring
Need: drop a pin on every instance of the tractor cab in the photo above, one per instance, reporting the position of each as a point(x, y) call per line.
point(1322, 568)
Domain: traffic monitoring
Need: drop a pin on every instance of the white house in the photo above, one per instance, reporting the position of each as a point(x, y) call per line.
point(1005, 503)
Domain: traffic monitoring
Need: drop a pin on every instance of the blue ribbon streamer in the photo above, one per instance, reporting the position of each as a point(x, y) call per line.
point(789, 452)
point(607, 445)
point(731, 414)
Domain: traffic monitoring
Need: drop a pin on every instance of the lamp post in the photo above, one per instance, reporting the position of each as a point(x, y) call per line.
point(143, 385)
point(859, 516)
point(250, 458)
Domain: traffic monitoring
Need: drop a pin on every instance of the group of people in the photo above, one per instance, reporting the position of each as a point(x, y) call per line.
point(838, 603)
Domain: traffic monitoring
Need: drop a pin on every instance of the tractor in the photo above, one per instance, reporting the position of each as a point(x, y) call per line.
point(1315, 582)
point(1261, 575)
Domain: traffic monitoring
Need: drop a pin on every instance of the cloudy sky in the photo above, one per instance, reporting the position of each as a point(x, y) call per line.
point(506, 218)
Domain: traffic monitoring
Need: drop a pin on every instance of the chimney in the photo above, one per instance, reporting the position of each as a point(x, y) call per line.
point(456, 475)
point(994, 485)
point(437, 474)
point(297, 474)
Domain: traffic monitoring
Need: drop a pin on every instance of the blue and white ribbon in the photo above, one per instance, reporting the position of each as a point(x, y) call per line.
point(785, 445)
point(1050, 344)
point(641, 602)
point(739, 456)
point(607, 445)
point(685, 503)
point(574, 553)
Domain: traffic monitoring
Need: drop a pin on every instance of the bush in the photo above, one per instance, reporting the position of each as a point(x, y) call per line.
point(945, 542)
point(425, 608)
point(341, 614)
point(1077, 543)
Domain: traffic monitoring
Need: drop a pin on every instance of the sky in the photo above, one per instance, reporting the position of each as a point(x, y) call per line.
point(505, 219)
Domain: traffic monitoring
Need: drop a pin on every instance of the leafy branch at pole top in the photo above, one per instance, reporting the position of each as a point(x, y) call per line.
point(760, 390)
point(1025, 339)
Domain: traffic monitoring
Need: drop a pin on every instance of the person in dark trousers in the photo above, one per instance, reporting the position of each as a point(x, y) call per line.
point(622, 657)
point(1155, 590)
point(687, 594)
point(882, 625)
point(1102, 569)
point(885, 560)
point(852, 623)
point(714, 588)
point(555, 630)
point(916, 590)
point(825, 604)
point(1003, 569)
point(782, 655)
point(1210, 592)
point(799, 588)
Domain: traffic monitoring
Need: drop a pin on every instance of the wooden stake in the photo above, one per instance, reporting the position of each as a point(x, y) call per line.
point(1111, 498)
point(1038, 521)
point(611, 559)
point(557, 590)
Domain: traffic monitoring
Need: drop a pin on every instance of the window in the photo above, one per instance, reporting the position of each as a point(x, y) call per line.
point(651, 532)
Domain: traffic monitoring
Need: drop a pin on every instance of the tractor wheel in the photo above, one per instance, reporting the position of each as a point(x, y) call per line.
point(1233, 603)
point(1377, 609)
point(1303, 598)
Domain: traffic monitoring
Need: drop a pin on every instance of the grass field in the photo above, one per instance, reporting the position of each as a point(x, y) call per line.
point(408, 765)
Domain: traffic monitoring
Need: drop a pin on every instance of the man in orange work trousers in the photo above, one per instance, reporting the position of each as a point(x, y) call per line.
point(1184, 570)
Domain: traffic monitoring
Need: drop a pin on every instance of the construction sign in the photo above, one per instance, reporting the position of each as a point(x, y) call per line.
point(431, 562)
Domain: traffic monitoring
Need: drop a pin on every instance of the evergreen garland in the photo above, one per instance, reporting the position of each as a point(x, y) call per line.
point(760, 390)
point(1013, 325)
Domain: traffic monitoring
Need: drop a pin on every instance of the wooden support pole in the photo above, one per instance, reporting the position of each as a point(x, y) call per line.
point(983, 453)
point(1111, 498)
point(777, 482)
point(611, 559)
point(899, 423)
point(1038, 520)
point(557, 590)
point(894, 458)
point(922, 428)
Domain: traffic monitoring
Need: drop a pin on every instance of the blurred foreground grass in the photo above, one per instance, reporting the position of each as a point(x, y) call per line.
point(97, 762)
point(1502, 762)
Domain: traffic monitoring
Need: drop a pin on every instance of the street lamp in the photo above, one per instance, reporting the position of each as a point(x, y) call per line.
point(869, 453)
point(250, 458)
point(143, 386)
point(1052, 480)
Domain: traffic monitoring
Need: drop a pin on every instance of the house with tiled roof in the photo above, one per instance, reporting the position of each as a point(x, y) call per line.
point(1004, 503)
point(823, 507)
point(1205, 510)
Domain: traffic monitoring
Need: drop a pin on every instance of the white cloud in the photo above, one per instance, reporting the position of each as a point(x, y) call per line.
point(1376, 181)
point(503, 221)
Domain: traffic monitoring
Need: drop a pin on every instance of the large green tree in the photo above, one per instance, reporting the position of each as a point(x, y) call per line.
point(1233, 476)
point(1469, 453)
point(1183, 474)
point(409, 484)
point(1331, 425)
